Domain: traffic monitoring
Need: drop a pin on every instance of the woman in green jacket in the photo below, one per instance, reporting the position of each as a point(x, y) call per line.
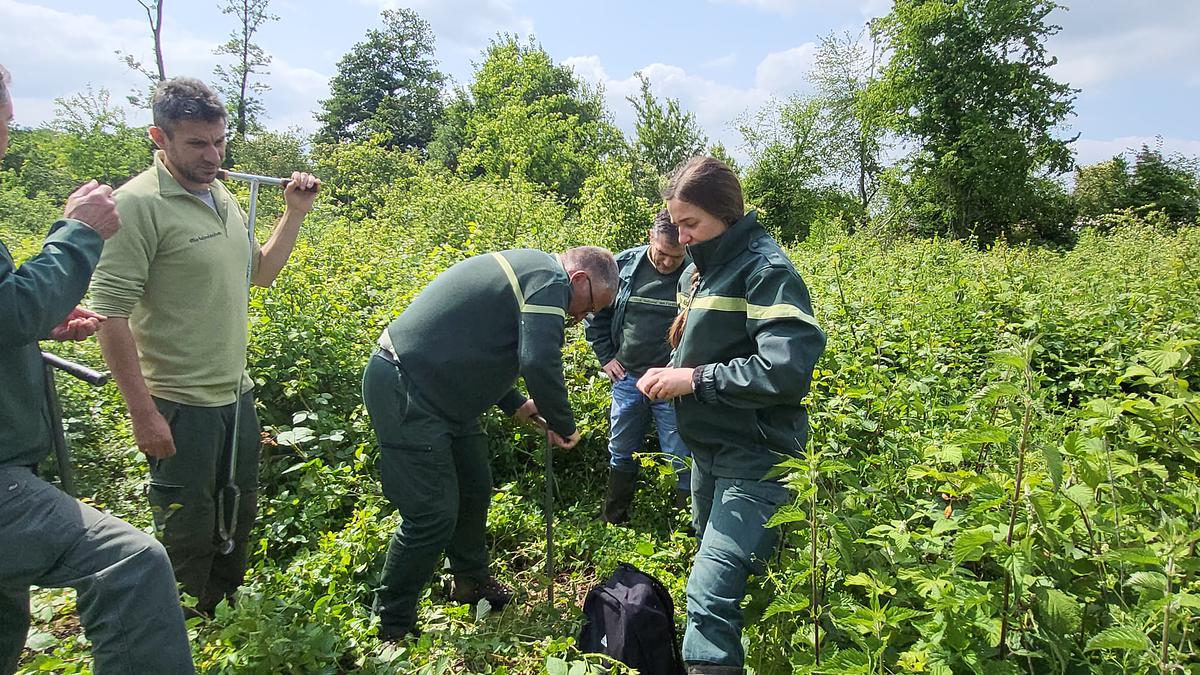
point(745, 346)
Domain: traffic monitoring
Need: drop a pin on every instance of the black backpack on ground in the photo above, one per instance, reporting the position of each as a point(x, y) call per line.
point(631, 618)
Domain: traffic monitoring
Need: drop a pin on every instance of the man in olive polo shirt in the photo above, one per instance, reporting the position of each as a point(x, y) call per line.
point(174, 285)
point(456, 351)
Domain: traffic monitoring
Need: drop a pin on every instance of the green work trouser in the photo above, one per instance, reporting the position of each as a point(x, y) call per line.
point(192, 507)
point(437, 475)
point(730, 517)
point(126, 597)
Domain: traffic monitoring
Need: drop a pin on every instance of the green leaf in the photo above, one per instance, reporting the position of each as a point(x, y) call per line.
point(1136, 556)
point(1082, 495)
point(40, 641)
point(1148, 580)
point(1160, 360)
point(1054, 464)
point(556, 666)
point(983, 434)
point(847, 662)
point(789, 603)
point(969, 545)
point(1119, 637)
point(1058, 612)
point(788, 513)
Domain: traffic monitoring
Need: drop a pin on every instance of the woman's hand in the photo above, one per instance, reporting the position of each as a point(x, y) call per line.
point(660, 384)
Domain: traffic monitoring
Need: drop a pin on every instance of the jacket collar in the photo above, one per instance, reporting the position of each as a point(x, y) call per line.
point(724, 247)
point(168, 186)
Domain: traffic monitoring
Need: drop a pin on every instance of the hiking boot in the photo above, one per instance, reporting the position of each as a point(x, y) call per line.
point(471, 591)
point(710, 669)
point(397, 633)
point(621, 487)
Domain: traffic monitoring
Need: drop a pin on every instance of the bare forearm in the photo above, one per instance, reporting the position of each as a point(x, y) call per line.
point(278, 248)
point(120, 353)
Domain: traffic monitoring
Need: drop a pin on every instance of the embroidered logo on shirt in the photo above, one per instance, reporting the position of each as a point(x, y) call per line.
point(203, 237)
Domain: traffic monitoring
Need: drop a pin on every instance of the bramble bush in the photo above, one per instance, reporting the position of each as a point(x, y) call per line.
point(1001, 475)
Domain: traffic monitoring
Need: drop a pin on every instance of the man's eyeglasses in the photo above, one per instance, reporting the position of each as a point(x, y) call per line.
point(572, 321)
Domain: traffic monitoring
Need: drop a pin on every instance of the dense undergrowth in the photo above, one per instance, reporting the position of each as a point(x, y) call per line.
point(1001, 475)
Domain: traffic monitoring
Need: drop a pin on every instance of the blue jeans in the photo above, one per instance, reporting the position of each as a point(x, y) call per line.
point(629, 420)
point(730, 516)
point(127, 599)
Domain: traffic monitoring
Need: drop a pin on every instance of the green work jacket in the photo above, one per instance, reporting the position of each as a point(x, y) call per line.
point(35, 298)
point(751, 335)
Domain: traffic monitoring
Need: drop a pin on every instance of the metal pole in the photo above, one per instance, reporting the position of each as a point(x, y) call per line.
point(227, 513)
point(548, 508)
point(58, 437)
point(253, 178)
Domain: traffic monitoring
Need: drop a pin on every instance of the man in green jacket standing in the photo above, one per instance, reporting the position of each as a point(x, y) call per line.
point(174, 284)
point(629, 338)
point(127, 600)
point(457, 350)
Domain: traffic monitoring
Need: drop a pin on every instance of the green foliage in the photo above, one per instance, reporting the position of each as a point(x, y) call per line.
point(613, 207)
point(88, 139)
point(666, 137)
point(844, 70)
point(787, 178)
point(1102, 187)
point(236, 82)
point(967, 83)
point(530, 120)
point(1168, 185)
point(387, 84)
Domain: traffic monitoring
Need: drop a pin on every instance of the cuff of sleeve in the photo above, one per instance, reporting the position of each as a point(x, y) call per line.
point(511, 402)
point(78, 233)
point(704, 383)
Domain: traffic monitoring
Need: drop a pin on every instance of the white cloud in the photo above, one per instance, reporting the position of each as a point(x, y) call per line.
point(587, 67)
point(726, 61)
point(1092, 150)
point(777, 6)
point(35, 36)
point(1110, 40)
point(717, 106)
point(466, 23)
point(785, 72)
point(868, 8)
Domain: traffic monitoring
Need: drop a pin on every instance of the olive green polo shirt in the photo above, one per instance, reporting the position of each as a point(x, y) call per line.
point(177, 270)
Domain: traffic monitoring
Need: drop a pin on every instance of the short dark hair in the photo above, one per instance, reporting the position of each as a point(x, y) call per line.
point(5, 85)
point(185, 99)
point(708, 183)
point(663, 227)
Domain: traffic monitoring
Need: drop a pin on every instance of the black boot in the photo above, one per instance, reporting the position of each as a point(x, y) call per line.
point(397, 633)
point(621, 487)
point(471, 591)
point(681, 498)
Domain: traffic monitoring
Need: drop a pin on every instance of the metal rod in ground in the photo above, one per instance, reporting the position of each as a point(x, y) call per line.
point(58, 437)
point(229, 496)
point(548, 508)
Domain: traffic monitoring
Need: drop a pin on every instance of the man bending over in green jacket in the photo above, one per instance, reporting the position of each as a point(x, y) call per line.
point(457, 350)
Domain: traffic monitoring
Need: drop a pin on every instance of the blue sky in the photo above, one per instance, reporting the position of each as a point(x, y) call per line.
point(1135, 62)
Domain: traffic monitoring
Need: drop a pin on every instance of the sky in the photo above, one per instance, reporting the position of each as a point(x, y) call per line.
point(1134, 62)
